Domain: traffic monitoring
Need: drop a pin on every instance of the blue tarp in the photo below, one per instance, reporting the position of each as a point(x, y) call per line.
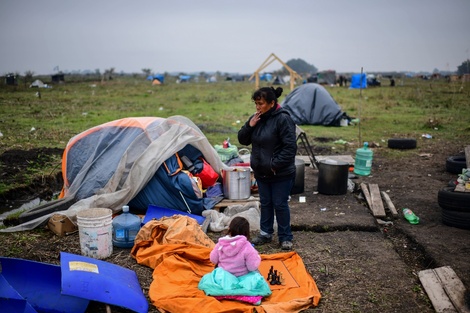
point(358, 81)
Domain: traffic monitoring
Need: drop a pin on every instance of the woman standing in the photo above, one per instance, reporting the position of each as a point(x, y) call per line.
point(271, 133)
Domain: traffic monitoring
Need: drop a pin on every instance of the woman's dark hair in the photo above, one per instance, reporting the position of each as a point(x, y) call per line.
point(267, 93)
point(239, 226)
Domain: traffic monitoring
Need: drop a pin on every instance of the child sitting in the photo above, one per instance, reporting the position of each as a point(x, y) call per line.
point(236, 275)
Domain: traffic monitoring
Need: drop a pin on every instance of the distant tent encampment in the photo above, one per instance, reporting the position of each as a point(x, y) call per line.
point(312, 104)
point(358, 81)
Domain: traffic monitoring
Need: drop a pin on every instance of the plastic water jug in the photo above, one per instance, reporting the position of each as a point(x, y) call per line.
point(125, 228)
point(363, 162)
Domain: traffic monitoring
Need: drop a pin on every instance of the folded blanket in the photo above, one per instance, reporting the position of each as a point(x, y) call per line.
point(219, 282)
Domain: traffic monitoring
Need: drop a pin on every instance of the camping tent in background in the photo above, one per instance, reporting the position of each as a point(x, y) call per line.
point(312, 104)
point(159, 77)
point(110, 165)
point(278, 80)
point(326, 77)
point(38, 84)
point(358, 81)
point(184, 79)
point(266, 77)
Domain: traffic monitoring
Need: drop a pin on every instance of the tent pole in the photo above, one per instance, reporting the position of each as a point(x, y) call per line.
point(187, 206)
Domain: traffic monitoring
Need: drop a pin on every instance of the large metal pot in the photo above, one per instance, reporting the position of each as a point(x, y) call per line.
point(333, 177)
point(237, 182)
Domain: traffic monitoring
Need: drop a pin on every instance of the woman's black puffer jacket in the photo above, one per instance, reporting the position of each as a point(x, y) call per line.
point(273, 144)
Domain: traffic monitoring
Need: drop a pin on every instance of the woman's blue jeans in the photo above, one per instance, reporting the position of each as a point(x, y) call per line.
point(274, 198)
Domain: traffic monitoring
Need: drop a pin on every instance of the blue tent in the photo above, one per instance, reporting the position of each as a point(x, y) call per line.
point(358, 81)
point(159, 77)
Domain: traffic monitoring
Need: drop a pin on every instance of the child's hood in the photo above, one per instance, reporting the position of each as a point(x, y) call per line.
point(231, 246)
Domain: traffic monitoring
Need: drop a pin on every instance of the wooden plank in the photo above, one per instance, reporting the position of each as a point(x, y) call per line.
point(378, 209)
point(226, 202)
point(444, 288)
point(389, 203)
point(366, 193)
point(453, 286)
point(435, 291)
point(467, 156)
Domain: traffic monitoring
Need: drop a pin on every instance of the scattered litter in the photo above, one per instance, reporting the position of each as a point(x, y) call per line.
point(315, 192)
point(84, 113)
point(238, 121)
point(340, 142)
point(382, 222)
point(1, 135)
point(323, 209)
point(32, 129)
point(425, 155)
point(160, 109)
point(426, 136)
point(301, 199)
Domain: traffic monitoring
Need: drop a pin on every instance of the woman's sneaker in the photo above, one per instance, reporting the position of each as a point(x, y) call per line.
point(286, 245)
point(261, 240)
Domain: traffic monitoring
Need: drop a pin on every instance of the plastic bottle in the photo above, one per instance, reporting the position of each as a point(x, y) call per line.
point(410, 216)
point(125, 228)
point(363, 162)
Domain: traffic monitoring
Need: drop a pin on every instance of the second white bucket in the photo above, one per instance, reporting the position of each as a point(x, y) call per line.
point(96, 232)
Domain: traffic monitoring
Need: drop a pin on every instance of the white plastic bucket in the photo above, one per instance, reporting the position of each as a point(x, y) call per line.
point(95, 230)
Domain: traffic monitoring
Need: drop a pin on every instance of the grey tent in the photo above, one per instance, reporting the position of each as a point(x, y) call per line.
point(312, 104)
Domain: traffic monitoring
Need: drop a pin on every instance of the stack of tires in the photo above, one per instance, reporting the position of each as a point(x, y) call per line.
point(455, 205)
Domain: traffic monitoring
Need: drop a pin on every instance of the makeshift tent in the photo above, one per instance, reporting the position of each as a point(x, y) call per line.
point(119, 162)
point(358, 81)
point(184, 78)
point(38, 84)
point(326, 77)
point(312, 104)
point(278, 80)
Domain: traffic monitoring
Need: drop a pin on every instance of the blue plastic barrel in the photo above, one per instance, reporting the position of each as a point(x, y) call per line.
point(363, 162)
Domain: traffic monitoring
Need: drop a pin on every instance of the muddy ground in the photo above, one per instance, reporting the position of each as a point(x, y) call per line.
point(358, 264)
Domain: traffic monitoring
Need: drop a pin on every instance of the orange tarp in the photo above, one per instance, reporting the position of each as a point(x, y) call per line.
point(178, 251)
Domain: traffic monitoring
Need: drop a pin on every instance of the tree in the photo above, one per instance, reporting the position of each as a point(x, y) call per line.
point(28, 77)
point(464, 68)
point(147, 71)
point(300, 66)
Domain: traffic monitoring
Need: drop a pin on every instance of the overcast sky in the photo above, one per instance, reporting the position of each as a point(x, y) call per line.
point(232, 36)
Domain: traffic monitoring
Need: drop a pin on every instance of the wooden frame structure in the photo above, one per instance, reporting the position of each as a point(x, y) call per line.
point(271, 58)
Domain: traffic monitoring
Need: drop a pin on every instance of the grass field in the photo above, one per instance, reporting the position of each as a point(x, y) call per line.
point(410, 109)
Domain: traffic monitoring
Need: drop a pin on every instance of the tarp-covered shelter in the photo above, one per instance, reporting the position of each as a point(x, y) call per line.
point(38, 84)
point(326, 77)
point(312, 104)
point(120, 162)
point(358, 81)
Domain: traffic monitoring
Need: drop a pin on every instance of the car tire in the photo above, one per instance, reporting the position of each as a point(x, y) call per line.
point(455, 164)
point(456, 219)
point(454, 201)
point(402, 143)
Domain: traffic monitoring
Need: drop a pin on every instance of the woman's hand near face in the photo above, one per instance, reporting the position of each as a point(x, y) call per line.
point(255, 119)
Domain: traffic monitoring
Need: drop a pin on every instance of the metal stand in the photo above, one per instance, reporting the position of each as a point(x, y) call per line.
point(303, 138)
